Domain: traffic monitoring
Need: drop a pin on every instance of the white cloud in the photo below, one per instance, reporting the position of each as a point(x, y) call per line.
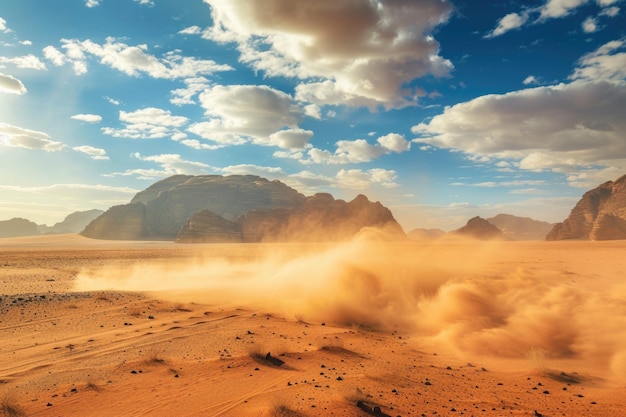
point(353, 151)
point(610, 11)
point(112, 101)
point(92, 3)
point(54, 55)
point(87, 118)
point(170, 164)
point(191, 30)
point(11, 85)
point(531, 79)
point(590, 25)
point(148, 123)
point(361, 180)
point(362, 52)
point(27, 62)
point(94, 153)
point(17, 137)
point(186, 95)
point(552, 9)
point(606, 63)
point(565, 128)
point(246, 113)
point(559, 8)
point(509, 22)
point(291, 138)
point(3, 25)
point(134, 60)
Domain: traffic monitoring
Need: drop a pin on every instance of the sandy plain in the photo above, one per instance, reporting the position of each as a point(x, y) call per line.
point(446, 328)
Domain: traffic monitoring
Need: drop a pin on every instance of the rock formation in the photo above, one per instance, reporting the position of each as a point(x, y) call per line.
point(521, 228)
point(73, 223)
point(237, 208)
point(159, 212)
point(17, 227)
point(479, 228)
point(599, 215)
point(320, 218)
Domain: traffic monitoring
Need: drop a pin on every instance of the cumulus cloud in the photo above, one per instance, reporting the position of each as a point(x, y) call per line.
point(248, 113)
point(352, 151)
point(17, 137)
point(566, 128)
point(3, 25)
point(11, 85)
point(26, 61)
point(361, 53)
point(94, 153)
point(606, 63)
point(361, 180)
point(131, 60)
point(87, 118)
point(148, 123)
point(92, 3)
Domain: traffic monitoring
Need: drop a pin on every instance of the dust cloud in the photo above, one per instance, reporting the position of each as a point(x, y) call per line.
point(476, 296)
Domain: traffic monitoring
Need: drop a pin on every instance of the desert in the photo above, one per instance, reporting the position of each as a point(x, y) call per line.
point(364, 327)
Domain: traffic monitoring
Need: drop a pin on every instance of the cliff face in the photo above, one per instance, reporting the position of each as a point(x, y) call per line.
point(479, 228)
point(162, 209)
point(599, 215)
point(320, 219)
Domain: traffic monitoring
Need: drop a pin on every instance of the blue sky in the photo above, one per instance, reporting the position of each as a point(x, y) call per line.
point(442, 110)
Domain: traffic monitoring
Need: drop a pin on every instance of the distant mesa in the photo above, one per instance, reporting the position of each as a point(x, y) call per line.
point(599, 215)
point(521, 228)
point(479, 228)
point(17, 227)
point(237, 208)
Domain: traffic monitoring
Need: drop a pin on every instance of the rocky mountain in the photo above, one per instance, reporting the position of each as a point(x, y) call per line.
point(599, 215)
point(236, 208)
point(425, 234)
point(73, 223)
point(521, 228)
point(320, 218)
point(17, 227)
point(159, 212)
point(479, 228)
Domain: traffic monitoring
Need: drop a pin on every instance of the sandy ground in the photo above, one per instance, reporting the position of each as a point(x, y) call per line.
point(101, 328)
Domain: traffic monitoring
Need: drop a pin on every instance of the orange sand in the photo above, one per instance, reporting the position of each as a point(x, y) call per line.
point(449, 328)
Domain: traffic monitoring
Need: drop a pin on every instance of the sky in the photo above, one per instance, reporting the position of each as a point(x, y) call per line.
point(442, 110)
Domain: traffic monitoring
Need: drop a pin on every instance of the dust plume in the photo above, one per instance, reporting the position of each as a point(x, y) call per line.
point(476, 296)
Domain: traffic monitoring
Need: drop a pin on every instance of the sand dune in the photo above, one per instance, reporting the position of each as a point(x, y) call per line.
point(451, 327)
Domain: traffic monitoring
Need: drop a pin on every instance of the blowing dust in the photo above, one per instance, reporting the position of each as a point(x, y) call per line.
point(476, 296)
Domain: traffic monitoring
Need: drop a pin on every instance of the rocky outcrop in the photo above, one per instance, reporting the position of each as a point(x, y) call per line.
point(160, 211)
point(124, 222)
point(479, 228)
point(599, 215)
point(521, 228)
point(17, 227)
point(320, 218)
point(73, 223)
point(207, 227)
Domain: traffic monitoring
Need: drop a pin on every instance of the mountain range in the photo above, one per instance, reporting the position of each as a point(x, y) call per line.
point(248, 208)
